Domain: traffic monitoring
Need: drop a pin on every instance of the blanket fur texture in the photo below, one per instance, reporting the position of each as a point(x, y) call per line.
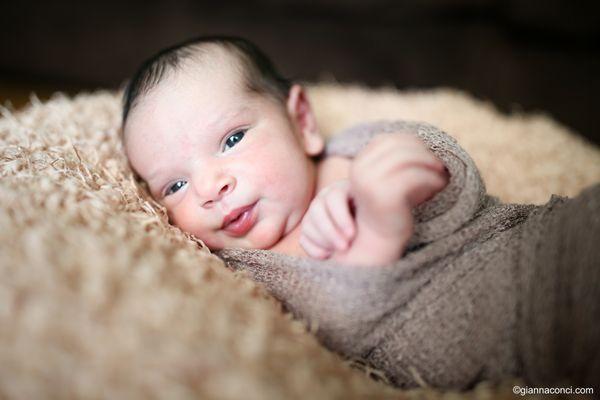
point(101, 298)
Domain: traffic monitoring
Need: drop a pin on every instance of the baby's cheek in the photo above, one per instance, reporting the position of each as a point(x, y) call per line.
point(267, 234)
point(188, 221)
point(270, 177)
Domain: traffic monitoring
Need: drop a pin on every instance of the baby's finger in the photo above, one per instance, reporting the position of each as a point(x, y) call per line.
point(339, 209)
point(312, 249)
point(423, 184)
point(384, 144)
point(323, 221)
point(316, 236)
point(404, 158)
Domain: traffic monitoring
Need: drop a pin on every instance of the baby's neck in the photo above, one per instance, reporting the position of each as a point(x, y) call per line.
point(290, 244)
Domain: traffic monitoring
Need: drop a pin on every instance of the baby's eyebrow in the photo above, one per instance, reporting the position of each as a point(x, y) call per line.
point(225, 117)
point(153, 175)
point(156, 174)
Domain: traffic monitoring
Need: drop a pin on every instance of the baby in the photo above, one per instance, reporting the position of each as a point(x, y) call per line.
point(233, 152)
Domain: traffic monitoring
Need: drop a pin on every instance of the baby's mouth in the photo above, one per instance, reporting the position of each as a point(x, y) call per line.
point(236, 219)
point(240, 221)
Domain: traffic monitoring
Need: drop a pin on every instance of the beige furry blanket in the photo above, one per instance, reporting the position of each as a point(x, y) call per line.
point(101, 298)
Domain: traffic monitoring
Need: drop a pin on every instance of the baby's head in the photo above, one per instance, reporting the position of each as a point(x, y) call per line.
point(211, 127)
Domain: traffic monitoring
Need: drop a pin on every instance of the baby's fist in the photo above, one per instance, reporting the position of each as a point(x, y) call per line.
point(328, 225)
point(392, 174)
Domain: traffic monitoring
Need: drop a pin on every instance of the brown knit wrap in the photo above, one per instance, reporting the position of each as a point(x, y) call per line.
point(486, 290)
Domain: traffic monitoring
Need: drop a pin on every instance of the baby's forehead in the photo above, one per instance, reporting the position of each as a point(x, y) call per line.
point(200, 81)
point(214, 61)
point(196, 94)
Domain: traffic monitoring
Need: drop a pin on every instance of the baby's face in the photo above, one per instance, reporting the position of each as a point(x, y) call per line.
point(206, 147)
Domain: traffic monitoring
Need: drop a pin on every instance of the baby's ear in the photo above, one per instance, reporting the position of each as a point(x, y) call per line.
point(304, 121)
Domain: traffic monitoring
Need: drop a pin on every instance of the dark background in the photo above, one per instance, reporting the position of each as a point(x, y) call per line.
point(524, 55)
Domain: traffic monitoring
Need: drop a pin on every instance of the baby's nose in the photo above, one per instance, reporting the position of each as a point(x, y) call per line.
point(217, 190)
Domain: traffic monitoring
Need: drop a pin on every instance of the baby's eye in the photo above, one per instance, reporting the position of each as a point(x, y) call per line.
point(235, 138)
point(175, 187)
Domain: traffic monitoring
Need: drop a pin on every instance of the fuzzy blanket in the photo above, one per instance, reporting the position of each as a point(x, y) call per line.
point(101, 298)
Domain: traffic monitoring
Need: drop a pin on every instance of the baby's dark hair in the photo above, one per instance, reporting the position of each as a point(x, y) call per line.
point(260, 75)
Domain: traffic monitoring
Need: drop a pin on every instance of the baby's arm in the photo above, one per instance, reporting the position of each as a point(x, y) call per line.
point(390, 176)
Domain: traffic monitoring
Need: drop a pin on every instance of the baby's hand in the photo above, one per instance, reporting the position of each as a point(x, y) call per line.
point(391, 175)
point(328, 225)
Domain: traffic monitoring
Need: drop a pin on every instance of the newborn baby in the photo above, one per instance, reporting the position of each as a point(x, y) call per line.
point(233, 152)
point(475, 289)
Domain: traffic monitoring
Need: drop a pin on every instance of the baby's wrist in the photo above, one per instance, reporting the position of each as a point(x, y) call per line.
point(398, 223)
point(381, 248)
